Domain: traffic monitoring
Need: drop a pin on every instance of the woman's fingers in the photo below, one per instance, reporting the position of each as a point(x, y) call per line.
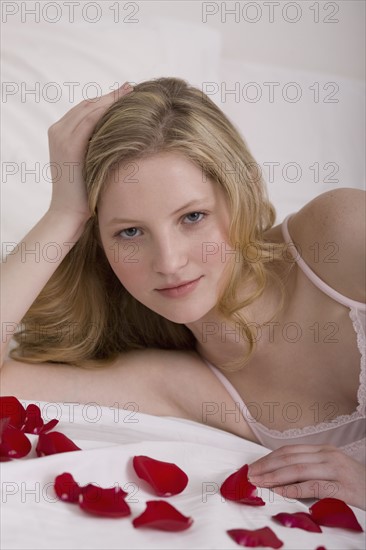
point(77, 113)
point(68, 138)
point(300, 471)
point(310, 489)
point(311, 471)
point(68, 142)
point(288, 454)
point(76, 126)
point(91, 109)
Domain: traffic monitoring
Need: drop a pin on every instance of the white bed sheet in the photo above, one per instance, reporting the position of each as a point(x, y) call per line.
point(33, 518)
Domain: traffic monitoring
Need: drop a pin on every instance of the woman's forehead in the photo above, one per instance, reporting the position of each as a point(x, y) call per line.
point(164, 172)
point(140, 199)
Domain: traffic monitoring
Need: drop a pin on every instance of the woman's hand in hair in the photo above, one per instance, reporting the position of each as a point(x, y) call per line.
point(311, 471)
point(68, 140)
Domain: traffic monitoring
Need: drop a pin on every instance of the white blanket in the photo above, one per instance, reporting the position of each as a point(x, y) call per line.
point(33, 518)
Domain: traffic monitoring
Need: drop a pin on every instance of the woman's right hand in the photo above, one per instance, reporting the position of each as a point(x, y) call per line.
point(68, 140)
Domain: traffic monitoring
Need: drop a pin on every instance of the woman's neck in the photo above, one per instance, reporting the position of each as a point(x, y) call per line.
point(220, 341)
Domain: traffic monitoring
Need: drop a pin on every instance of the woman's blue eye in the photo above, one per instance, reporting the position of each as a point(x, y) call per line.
point(132, 232)
point(129, 233)
point(195, 216)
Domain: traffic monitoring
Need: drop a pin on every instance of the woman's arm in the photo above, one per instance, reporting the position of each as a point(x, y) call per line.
point(26, 270)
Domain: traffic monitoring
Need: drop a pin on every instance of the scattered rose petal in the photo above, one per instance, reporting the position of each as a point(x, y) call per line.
point(13, 442)
point(162, 515)
point(47, 427)
point(164, 477)
point(333, 512)
point(12, 408)
point(4, 423)
point(257, 537)
point(54, 442)
point(237, 487)
point(28, 420)
point(33, 420)
point(104, 502)
point(92, 491)
point(298, 519)
point(66, 488)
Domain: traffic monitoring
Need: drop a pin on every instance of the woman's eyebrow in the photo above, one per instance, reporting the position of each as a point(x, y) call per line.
point(195, 202)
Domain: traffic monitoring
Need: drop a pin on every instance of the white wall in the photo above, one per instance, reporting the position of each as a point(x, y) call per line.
point(335, 44)
point(171, 38)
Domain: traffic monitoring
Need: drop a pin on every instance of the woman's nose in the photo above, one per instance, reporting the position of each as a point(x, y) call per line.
point(169, 255)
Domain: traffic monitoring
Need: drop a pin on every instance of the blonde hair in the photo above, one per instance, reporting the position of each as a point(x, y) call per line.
point(84, 316)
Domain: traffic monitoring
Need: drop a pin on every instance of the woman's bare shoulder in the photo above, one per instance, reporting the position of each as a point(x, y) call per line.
point(330, 231)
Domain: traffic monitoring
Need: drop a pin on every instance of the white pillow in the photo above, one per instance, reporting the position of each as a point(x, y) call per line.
point(35, 55)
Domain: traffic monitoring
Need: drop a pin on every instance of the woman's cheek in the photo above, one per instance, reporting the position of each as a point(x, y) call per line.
point(216, 250)
point(125, 260)
point(123, 253)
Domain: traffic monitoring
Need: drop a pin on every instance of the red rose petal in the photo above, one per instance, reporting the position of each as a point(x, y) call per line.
point(66, 488)
point(164, 477)
point(13, 442)
point(237, 487)
point(33, 420)
point(11, 407)
point(257, 537)
point(162, 515)
point(47, 427)
point(333, 512)
point(301, 520)
point(93, 492)
point(53, 443)
point(104, 502)
point(28, 420)
point(4, 423)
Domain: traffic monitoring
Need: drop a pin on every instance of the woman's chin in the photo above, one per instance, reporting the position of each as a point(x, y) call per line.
point(182, 317)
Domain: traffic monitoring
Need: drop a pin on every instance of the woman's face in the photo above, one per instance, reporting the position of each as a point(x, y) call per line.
point(163, 223)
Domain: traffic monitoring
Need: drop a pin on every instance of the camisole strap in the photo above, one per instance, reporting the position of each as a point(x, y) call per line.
point(317, 281)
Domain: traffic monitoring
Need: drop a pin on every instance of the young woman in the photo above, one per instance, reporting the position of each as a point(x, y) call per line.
point(167, 243)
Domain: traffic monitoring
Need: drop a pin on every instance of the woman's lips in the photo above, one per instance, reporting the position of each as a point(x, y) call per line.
point(181, 290)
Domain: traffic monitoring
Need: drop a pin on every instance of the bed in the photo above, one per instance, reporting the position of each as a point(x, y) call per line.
point(304, 147)
point(33, 517)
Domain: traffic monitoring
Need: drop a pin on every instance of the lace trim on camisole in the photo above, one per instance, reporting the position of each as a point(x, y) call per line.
point(361, 344)
point(356, 309)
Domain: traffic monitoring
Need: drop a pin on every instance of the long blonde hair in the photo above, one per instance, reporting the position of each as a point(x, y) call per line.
point(84, 316)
